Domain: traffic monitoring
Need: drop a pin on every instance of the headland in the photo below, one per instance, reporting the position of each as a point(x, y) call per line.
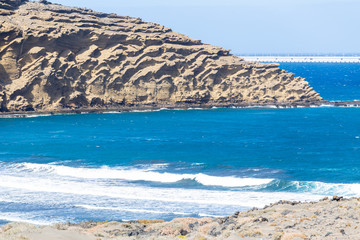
point(55, 58)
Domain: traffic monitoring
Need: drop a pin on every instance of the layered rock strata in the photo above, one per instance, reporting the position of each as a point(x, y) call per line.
point(54, 57)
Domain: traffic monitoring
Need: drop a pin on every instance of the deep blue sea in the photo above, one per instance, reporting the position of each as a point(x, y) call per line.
point(334, 81)
point(177, 163)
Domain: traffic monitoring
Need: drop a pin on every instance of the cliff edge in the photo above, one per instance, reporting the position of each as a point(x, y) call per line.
point(54, 57)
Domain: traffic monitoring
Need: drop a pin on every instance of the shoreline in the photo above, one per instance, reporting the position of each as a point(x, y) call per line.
point(303, 59)
point(328, 218)
point(144, 108)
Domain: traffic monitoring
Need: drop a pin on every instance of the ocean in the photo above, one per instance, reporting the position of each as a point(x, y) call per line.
point(182, 163)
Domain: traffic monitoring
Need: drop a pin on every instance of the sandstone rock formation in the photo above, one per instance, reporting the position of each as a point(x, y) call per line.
point(54, 57)
point(11, 4)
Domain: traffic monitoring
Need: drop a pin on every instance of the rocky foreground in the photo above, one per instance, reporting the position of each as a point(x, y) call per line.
point(335, 218)
point(54, 57)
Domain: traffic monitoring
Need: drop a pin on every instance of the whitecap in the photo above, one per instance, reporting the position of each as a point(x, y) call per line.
point(143, 175)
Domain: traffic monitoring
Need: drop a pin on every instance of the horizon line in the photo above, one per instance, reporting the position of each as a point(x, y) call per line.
point(298, 54)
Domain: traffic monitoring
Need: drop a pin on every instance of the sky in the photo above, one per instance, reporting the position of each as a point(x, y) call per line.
point(249, 27)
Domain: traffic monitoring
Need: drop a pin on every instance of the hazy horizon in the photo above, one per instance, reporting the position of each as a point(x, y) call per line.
point(257, 27)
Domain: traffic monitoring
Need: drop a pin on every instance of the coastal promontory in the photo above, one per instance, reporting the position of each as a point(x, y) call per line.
point(54, 57)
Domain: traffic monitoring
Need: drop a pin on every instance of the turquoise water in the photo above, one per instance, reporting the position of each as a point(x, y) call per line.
point(177, 163)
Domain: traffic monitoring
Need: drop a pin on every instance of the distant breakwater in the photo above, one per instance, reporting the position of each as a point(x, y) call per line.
point(324, 59)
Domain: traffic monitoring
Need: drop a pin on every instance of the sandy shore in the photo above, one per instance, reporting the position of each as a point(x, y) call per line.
point(334, 218)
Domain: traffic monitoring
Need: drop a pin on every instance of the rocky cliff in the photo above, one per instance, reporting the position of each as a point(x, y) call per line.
point(54, 57)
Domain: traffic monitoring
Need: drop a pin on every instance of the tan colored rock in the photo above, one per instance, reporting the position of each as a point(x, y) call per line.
point(54, 57)
point(326, 219)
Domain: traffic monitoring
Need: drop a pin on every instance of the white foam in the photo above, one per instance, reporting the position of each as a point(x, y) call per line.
point(41, 184)
point(149, 110)
point(25, 218)
point(147, 173)
point(37, 115)
point(143, 175)
point(326, 105)
point(24, 115)
point(152, 167)
point(256, 107)
point(175, 195)
point(211, 216)
point(316, 187)
point(197, 164)
point(91, 207)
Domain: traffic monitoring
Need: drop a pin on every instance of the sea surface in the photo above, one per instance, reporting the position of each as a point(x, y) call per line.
point(177, 163)
point(334, 81)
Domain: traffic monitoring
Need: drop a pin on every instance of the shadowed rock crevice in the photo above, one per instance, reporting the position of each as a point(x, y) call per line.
point(54, 57)
point(11, 4)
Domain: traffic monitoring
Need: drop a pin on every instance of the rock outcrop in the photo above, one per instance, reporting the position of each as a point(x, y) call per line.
point(335, 218)
point(54, 57)
point(11, 4)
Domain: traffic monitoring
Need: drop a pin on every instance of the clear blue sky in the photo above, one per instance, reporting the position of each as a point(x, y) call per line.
point(250, 26)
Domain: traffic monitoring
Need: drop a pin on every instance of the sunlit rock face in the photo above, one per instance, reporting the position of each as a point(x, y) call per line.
point(54, 57)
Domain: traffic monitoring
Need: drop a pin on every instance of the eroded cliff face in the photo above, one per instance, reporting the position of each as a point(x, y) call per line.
point(54, 57)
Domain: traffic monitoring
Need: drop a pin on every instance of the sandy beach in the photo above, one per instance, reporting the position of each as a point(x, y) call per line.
point(330, 218)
